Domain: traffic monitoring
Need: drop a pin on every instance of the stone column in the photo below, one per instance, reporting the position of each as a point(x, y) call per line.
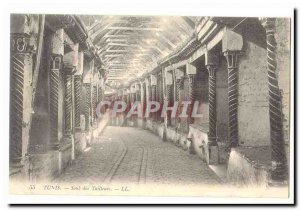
point(70, 60)
point(146, 86)
point(142, 96)
point(173, 120)
point(87, 80)
point(87, 105)
point(68, 104)
point(132, 98)
point(126, 100)
point(168, 83)
point(137, 99)
point(78, 89)
point(137, 92)
point(153, 83)
point(160, 95)
point(211, 62)
point(100, 94)
point(94, 101)
point(179, 85)
point(154, 98)
point(131, 94)
point(148, 91)
point(279, 162)
point(191, 73)
point(55, 93)
point(143, 102)
point(22, 49)
point(92, 91)
point(101, 88)
point(232, 44)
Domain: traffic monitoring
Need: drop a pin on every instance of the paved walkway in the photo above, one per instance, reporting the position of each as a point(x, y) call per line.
point(132, 155)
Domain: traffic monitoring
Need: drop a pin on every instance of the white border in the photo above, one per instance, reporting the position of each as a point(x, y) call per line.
point(134, 7)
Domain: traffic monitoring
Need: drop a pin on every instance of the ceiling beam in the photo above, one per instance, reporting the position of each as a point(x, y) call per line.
point(133, 28)
point(121, 44)
point(117, 69)
point(114, 35)
point(114, 55)
point(116, 40)
point(121, 69)
point(168, 41)
point(114, 51)
point(189, 22)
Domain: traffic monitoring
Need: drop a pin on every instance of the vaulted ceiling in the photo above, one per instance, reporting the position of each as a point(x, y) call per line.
point(129, 45)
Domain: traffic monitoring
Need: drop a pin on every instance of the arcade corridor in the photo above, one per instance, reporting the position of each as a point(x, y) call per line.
point(132, 155)
point(212, 97)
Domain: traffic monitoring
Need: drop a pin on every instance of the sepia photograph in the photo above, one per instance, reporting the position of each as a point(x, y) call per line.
point(150, 105)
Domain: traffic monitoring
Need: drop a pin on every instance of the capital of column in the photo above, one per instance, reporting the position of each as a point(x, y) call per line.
point(211, 70)
point(191, 78)
point(67, 21)
point(70, 60)
point(22, 43)
point(232, 58)
point(56, 62)
point(211, 62)
point(125, 92)
point(168, 78)
point(268, 24)
point(69, 70)
point(232, 45)
point(212, 140)
point(179, 82)
point(23, 33)
point(179, 74)
point(132, 89)
point(153, 80)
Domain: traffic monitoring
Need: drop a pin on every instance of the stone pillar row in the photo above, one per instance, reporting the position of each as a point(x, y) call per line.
point(232, 49)
point(59, 113)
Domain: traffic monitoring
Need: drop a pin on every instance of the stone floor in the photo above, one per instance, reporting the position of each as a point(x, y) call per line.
point(132, 155)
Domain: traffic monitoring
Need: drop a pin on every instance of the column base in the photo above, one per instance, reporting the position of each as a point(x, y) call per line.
point(190, 146)
point(65, 152)
point(164, 136)
point(78, 129)
point(54, 146)
point(80, 142)
point(212, 154)
point(251, 166)
point(16, 169)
